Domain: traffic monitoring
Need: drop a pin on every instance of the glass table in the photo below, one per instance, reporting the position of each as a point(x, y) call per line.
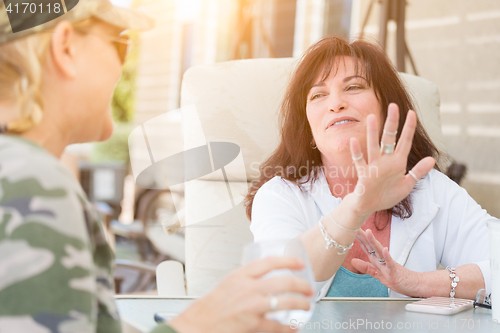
point(331, 315)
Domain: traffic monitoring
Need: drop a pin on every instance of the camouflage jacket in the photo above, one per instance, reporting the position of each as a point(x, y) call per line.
point(56, 271)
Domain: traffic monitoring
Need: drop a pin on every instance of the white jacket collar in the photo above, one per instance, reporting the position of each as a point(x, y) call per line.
point(424, 210)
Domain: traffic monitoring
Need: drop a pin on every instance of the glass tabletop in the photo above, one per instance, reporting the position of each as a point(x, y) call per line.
point(332, 315)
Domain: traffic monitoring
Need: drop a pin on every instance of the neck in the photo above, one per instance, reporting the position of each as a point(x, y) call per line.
point(54, 132)
point(340, 174)
point(46, 134)
point(49, 136)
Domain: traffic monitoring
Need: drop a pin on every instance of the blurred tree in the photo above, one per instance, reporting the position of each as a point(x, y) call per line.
point(116, 148)
point(124, 95)
point(123, 107)
point(248, 21)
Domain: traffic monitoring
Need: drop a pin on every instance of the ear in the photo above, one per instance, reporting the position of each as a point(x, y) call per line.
point(63, 49)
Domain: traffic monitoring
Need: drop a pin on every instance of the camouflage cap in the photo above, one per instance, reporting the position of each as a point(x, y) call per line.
point(20, 18)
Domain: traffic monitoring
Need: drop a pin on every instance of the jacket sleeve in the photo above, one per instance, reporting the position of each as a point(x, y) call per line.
point(467, 238)
point(279, 212)
point(163, 328)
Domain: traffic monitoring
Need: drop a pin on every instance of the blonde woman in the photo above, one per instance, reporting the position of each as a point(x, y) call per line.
point(56, 82)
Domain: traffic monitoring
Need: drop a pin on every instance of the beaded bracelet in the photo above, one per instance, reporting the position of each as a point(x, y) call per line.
point(341, 249)
point(454, 280)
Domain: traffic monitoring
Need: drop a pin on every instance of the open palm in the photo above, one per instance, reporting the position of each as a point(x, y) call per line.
point(382, 178)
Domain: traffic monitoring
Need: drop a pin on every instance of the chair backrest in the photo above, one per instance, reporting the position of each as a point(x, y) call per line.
point(238, 101)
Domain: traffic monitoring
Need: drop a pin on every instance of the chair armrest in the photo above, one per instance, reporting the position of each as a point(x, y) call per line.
point(139, 266)
point(170, 279)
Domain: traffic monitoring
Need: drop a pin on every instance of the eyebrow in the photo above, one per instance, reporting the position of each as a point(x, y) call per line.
point(346, 79)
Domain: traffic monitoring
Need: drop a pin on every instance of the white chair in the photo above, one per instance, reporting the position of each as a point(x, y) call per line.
point(238, 102)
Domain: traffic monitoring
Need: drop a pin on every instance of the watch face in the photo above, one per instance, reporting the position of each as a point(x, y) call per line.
point(27, 14)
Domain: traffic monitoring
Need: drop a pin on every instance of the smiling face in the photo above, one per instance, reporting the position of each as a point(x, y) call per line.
point(337, 108)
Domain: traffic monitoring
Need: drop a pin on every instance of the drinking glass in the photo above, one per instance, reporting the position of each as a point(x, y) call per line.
point(293, 248)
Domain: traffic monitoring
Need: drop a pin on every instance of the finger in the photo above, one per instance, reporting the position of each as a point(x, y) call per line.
point(365, 267)
point(285, 302)
point(391, 124)
point(372, 143)
point(362, 237)
point(361, 234)
point(418, 172)
point(267, 325)
point(360, 265)
point(364, 246)
point(261, 267)
point(389, 262)
point(357, 154)
point(406, 138)
point(283, 284)
point(374, 243)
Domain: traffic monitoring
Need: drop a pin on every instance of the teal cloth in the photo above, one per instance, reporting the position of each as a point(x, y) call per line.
point(349, 284)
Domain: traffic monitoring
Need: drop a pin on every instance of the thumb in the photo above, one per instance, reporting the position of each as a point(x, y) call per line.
point(365, 267)
point(361, 265)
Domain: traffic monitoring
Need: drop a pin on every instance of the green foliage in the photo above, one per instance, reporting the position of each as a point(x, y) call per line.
point(124, 95)
point(114, 149)
point(123, 108)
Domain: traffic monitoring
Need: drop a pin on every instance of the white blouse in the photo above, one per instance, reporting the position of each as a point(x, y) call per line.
point(447, 226)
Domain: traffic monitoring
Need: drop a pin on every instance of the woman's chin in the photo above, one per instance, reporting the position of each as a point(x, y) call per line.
point(342, 145)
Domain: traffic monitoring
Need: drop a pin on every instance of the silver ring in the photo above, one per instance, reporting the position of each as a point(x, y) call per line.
point(387, 148)
point(381, 261)
point(372, 252)
point(413, 175)
point(357, 158)
point(390, 133)
point(273, 303)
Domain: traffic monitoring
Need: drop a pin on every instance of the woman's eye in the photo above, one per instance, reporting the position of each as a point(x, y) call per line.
point(354, 87)
point(313, 97)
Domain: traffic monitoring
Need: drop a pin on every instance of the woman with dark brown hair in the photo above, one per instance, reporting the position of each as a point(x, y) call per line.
point(385, 213)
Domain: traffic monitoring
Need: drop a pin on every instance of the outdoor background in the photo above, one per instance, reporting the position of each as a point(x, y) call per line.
point(454, 43)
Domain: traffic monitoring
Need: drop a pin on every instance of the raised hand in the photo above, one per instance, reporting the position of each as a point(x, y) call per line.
point(382, 178)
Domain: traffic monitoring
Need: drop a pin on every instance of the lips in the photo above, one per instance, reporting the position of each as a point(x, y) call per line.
point(335, 121)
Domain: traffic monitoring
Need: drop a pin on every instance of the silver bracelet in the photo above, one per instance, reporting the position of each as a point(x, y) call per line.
point(341, 249)
point(341, 227)
point(454, 280)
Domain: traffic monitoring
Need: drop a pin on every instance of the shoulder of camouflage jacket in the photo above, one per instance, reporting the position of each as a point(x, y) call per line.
point(48, 278)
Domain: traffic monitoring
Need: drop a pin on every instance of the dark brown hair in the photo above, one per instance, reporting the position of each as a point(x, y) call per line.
point(294, 150)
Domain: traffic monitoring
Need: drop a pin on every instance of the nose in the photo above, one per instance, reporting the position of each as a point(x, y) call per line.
point(337, 103)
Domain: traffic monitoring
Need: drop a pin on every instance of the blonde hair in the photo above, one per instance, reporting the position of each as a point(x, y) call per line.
point(21, 66)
